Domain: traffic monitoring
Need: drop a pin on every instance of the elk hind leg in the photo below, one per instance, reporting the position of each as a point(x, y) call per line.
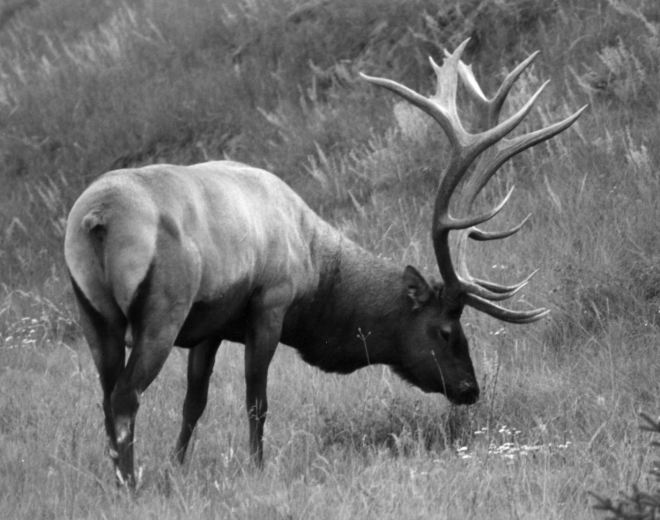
point(155, 316)
point(201, 359)
point(154, 336)
point(105, 336)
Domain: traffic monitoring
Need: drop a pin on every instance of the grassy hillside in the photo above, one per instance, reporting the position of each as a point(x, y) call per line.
point(87, 87)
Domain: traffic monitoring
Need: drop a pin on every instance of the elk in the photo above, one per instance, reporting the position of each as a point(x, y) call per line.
point(167, 255)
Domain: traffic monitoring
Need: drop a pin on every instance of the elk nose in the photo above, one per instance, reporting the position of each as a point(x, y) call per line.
point(468, 392)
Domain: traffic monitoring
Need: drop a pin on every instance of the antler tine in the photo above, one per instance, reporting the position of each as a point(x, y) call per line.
point(490, 109)
point(500, 96)
point(481, 235)
point(491, 106)
point(461, 288)
point(488, 292)
point(507, 148)
point(496, 287)
point(499, 132)
point(482, 294)
point(504, 314)
point(450, 222)
point(485, 289)
point(460, 282)
point(442, 106)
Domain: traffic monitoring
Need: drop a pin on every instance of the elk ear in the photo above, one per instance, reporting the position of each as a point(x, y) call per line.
point(417, 288)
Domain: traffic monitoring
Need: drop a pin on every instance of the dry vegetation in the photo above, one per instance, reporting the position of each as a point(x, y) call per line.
point(86, 87)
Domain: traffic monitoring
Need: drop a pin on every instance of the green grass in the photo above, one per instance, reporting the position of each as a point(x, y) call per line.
point(274, 83)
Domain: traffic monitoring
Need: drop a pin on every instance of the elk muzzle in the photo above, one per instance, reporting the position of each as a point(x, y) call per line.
point(466, 392)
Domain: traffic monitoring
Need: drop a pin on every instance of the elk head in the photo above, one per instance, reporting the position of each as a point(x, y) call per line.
point(474, 159)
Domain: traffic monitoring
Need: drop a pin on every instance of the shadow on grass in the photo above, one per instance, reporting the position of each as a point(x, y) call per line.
point(401, 427)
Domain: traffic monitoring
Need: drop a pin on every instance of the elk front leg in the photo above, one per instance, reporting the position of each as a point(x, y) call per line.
point(261, 341)
point(201, 359)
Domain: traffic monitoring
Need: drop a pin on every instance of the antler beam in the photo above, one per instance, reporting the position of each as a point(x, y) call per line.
point(490, 149)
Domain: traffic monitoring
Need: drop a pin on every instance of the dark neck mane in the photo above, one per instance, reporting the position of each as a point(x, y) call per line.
point(352, 319)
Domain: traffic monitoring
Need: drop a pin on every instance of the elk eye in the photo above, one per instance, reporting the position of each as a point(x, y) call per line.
point(445, 332)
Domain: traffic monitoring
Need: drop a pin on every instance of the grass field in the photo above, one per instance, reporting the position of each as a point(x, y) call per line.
point(87, 87)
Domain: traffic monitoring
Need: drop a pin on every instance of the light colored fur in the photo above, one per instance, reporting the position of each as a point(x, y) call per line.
point(237, 224)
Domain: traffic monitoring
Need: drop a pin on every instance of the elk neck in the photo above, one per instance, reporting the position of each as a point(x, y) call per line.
point(353, 317)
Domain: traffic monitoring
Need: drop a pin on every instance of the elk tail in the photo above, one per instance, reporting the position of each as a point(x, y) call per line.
point(110, 250)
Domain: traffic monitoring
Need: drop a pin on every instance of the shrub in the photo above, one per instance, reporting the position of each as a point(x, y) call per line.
point(637, 504)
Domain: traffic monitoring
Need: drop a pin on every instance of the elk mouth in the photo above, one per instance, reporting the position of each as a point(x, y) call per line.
point(467, 393)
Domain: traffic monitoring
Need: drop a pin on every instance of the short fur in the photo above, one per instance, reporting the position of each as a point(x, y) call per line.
point(169, 255)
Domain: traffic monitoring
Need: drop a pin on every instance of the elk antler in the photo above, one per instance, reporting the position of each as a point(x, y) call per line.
point(460, 287)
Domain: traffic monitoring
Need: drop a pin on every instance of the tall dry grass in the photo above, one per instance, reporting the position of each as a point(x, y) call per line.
point(86, 88)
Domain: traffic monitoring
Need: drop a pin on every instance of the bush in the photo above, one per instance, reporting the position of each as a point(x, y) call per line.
point(637, 504)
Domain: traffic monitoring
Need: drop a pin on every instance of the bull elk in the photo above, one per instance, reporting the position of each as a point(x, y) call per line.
point(168, 255)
